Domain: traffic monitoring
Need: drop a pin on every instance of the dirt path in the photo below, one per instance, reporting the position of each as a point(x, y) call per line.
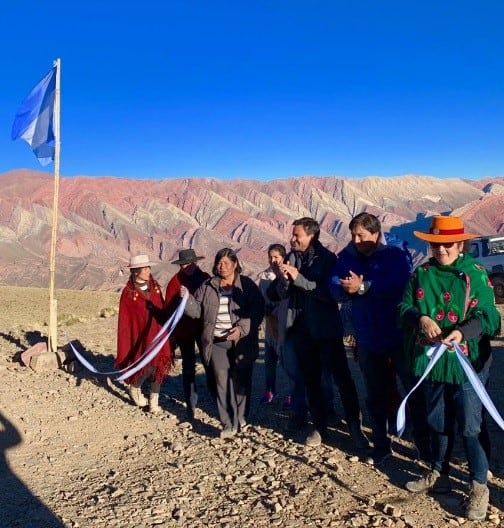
point(75, 453)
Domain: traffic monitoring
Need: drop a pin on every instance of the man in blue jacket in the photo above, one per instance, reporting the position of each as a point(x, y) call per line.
point(373, 276)
point(314, 327)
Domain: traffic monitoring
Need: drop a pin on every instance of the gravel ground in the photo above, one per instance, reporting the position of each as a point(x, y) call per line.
point(76, 453)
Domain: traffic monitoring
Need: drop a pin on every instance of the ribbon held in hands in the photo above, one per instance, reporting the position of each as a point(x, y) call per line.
point(150, 352)
point(435, 353)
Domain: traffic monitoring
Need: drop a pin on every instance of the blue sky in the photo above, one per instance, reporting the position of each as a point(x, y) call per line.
point(262, 89)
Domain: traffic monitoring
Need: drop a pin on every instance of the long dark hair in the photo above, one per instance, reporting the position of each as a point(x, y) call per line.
point(134, 272)
point(231, 255)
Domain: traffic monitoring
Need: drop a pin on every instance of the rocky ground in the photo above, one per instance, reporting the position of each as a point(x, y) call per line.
point(76, 453)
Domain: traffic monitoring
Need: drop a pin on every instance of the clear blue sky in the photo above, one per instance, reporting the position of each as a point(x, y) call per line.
point(262, 88)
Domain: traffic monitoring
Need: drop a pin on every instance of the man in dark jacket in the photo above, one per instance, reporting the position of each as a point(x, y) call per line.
point(373, 276)
point(314, 327)
point(188, 331)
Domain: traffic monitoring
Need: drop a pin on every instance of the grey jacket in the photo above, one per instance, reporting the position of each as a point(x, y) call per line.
point(310, 301)
point(247, 310)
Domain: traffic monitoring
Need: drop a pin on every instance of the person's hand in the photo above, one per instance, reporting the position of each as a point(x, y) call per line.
point(457, 336)
point(233, 334)
point(289, 272)
point(430, 328)
point(352, 283)
point(276, 268)
point(183, 291)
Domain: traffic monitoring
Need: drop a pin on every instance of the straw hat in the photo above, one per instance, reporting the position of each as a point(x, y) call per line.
point(445, 229)
point(186, 256)
point(140, 261)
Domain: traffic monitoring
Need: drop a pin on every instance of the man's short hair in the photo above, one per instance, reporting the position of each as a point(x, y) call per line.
point(367, 221)
point(310, 226)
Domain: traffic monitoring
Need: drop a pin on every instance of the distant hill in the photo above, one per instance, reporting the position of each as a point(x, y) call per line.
point(102, 220)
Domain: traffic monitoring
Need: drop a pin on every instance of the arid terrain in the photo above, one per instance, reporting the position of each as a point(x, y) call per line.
point(76, 453)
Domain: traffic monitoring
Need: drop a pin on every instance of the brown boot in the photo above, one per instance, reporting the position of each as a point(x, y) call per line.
point(478, 502)
point(154, 407)
point(136, 395)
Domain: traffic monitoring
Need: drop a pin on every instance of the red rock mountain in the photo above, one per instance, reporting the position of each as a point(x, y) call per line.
point(103, 220)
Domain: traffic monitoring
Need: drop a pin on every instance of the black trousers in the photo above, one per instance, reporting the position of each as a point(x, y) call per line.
point(188, 352)
point(314, 355)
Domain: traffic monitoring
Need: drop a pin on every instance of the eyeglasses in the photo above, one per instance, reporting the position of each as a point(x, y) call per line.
point(446, 245)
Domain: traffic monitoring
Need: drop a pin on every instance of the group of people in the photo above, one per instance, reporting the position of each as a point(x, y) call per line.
point(398, 317)
point(221, 320)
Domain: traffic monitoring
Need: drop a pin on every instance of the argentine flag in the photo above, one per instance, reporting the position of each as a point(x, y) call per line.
point(34, 121)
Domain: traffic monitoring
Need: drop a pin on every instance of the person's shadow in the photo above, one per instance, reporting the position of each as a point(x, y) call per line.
point(18, 506)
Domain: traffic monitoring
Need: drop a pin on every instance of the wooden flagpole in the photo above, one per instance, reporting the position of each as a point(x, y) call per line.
point(53, 303)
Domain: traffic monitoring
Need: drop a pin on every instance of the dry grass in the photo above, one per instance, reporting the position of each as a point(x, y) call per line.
point(73, 306)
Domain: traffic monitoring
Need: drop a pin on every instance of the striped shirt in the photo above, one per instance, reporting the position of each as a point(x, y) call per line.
point(223, 323)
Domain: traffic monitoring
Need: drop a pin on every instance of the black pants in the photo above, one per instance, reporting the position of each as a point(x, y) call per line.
point(188, 352)
point(379, 369)
point(313, 354)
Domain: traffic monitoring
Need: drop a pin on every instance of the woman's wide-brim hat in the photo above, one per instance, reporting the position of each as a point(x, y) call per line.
point(445, 229)
point(140, 261)
point(186, 256)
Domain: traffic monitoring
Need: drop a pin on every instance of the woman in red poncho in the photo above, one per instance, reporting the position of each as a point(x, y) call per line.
point(141, 316)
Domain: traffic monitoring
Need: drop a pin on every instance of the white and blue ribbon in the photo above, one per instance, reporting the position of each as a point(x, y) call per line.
point(150, 352)
point(434, 354)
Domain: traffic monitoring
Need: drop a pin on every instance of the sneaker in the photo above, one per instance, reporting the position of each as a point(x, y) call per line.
point(227, 432)
point(477, 504)
point(431, 481)
point(287, 403)
point(358, 437)
point(267, 396)
point(314, 439)
point(377, 457)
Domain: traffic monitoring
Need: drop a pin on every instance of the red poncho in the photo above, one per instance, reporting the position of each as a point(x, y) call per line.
point(187, 329)
point(141, 316)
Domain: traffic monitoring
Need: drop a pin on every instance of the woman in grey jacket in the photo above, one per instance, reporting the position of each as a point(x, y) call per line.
point(231, 308)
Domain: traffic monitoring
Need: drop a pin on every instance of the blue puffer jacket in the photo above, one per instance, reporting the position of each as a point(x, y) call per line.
point(374, 313)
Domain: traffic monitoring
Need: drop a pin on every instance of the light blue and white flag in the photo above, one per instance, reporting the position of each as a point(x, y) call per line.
point(34, 121)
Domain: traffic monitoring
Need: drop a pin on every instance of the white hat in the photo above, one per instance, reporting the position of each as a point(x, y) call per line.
point(140, 261)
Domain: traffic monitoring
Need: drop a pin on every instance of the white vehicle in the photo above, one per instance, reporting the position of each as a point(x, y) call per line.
point(489, 250)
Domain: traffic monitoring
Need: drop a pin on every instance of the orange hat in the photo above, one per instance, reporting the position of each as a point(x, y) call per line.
point(445, 229)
